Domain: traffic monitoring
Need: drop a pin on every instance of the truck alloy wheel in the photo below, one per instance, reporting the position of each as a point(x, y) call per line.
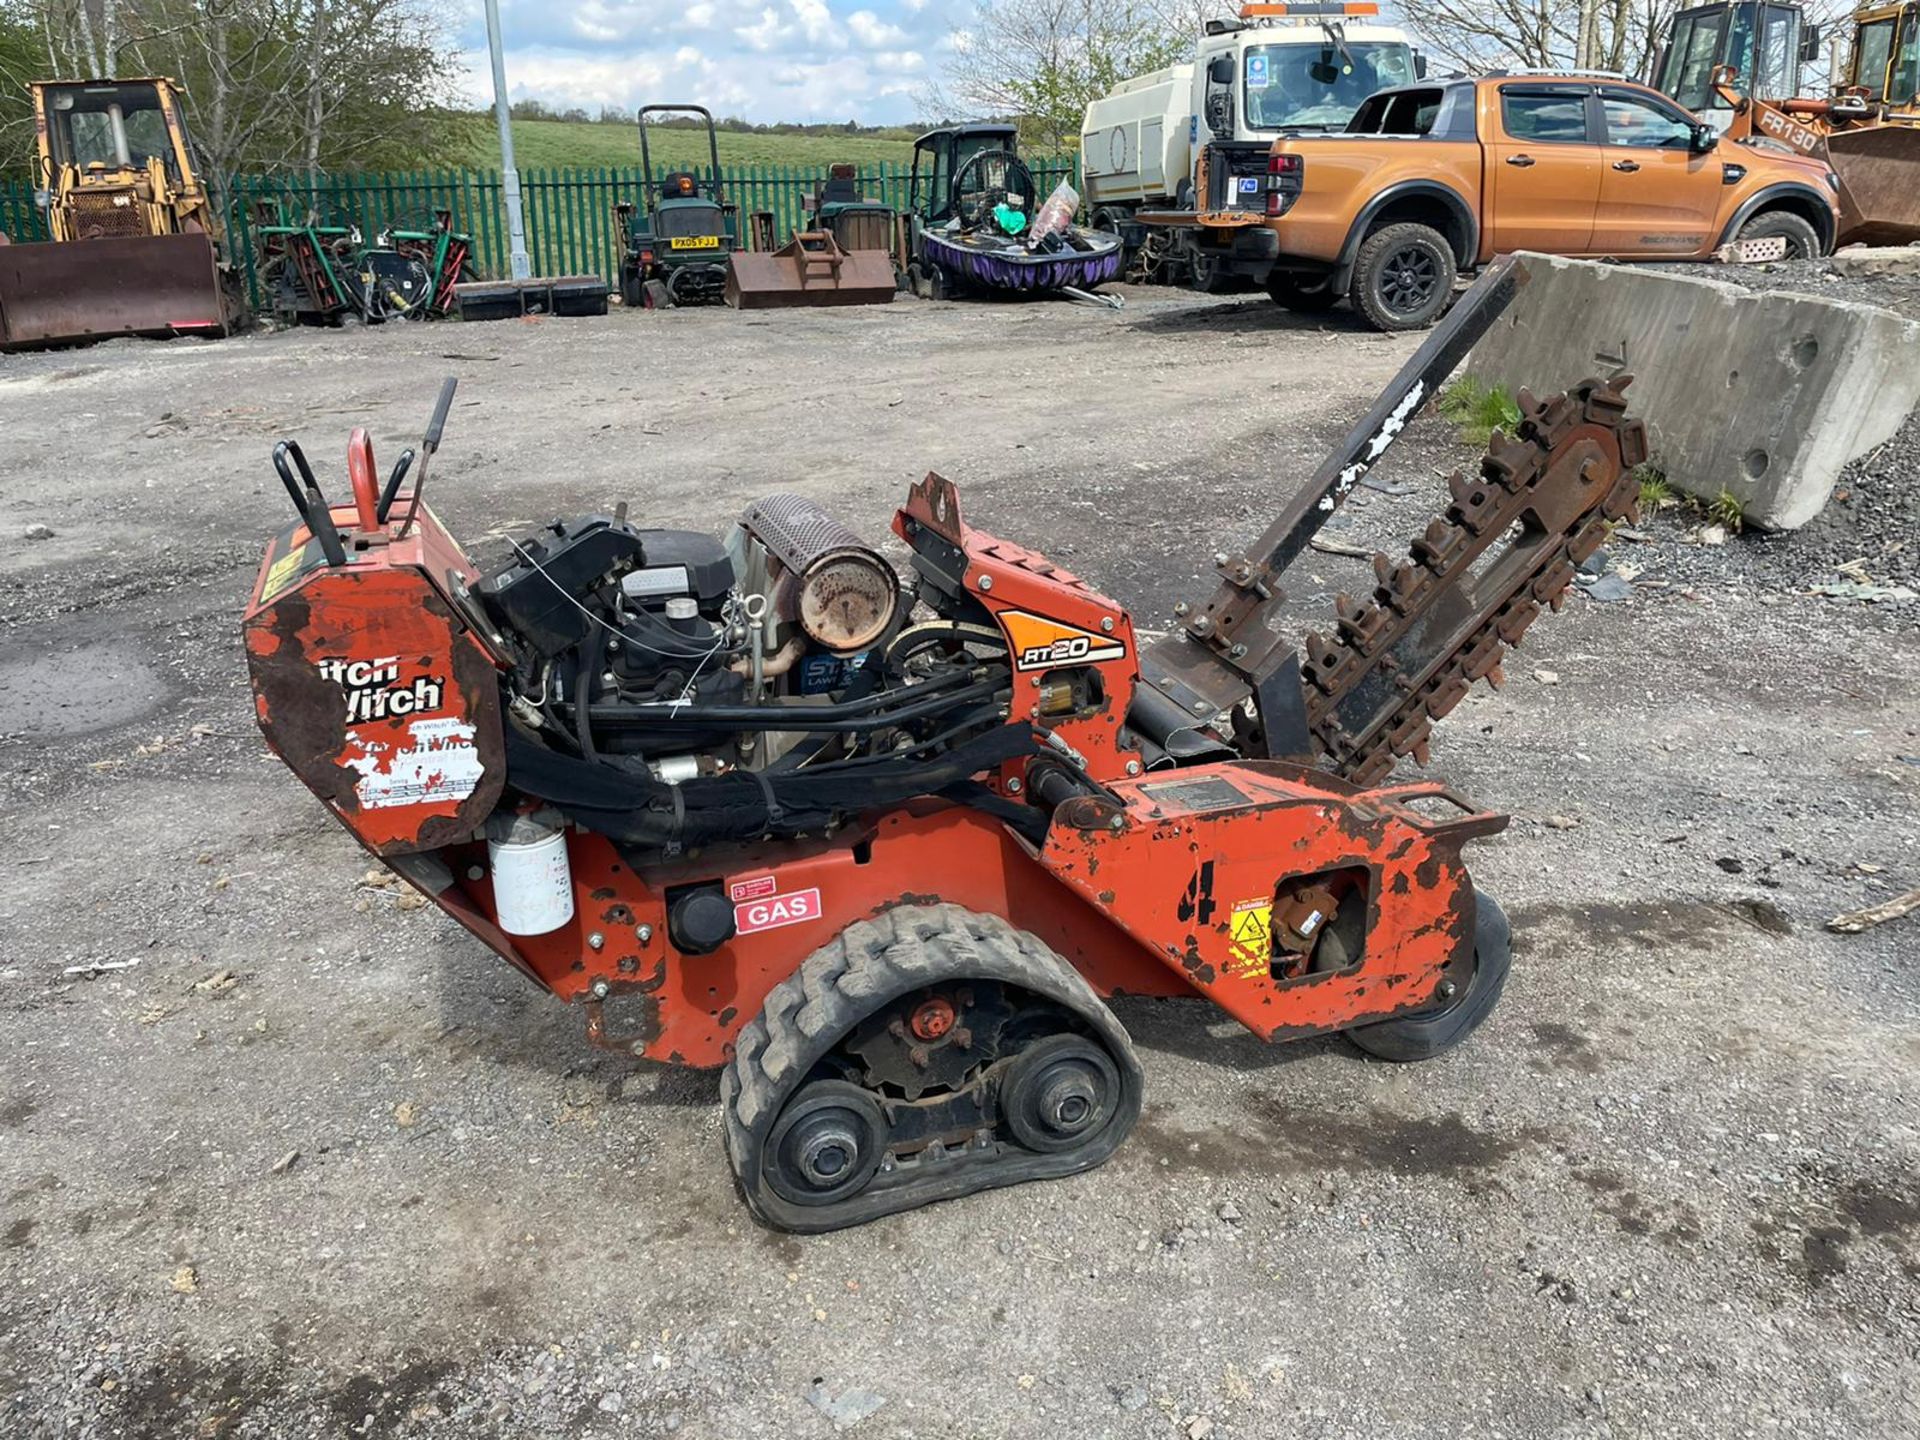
point(1403, 277)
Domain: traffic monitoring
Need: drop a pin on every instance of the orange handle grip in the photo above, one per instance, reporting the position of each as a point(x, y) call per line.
point(366, 480)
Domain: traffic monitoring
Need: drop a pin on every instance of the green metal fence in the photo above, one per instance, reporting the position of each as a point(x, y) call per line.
point(568, 212)
point(20, 218)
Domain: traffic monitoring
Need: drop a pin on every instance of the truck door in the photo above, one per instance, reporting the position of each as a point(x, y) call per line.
point(1543, 170)
point(1658, 196)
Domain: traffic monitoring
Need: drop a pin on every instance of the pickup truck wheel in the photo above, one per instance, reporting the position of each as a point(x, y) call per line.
point(1302, 294)
point(1802, 241)
point(1403, 277)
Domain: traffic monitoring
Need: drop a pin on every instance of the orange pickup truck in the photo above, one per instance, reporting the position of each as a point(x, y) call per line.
point(1431, 180)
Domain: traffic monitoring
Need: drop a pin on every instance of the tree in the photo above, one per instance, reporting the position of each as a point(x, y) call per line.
point(19, 58)
point(1623, 35)
point(274, 84)
point(1040, 61)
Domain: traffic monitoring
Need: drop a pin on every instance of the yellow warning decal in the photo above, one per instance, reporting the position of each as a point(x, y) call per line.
point(1250, 938)
point(1040, 644)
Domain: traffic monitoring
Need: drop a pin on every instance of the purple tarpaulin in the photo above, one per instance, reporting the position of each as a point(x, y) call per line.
point(1017, 271)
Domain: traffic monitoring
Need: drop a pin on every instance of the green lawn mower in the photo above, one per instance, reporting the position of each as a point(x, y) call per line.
point(324, 274)
point(679, 240)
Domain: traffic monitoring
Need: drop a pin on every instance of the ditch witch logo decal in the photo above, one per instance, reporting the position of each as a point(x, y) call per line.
point(374, 692)
point(1040, 643)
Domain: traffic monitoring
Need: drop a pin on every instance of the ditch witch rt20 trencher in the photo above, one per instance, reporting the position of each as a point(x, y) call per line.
point(879, 853)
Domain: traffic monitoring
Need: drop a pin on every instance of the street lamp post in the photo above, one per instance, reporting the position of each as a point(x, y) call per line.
point(516, 225)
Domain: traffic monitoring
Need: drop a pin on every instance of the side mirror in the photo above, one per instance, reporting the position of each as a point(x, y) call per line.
point(1220, 70)
point(1705, 137)
point(1810, 39)
point(1419, 65)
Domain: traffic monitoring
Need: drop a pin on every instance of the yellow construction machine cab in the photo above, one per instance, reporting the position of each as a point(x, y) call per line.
point(114, 160)
point(1885, 64)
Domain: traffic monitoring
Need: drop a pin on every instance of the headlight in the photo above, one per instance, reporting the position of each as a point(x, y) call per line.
point(1833, 182)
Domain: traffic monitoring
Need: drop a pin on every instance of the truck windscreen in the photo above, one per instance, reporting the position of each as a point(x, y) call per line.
point(1318, 87)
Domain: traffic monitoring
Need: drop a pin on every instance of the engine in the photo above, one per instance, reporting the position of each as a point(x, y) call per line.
point(783, 647)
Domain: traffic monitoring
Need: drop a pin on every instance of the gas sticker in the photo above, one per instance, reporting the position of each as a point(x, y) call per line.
point(773, 911)
point(1250, 938)
point(1256, 71)
point(754, 889)
point(1041, 644)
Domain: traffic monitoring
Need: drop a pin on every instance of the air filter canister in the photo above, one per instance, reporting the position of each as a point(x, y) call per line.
point(837, 587)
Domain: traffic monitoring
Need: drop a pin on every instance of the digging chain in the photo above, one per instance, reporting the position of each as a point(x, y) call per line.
point(1441, 619)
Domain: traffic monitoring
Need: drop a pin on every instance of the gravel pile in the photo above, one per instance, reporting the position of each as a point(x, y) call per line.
point(1814, 277)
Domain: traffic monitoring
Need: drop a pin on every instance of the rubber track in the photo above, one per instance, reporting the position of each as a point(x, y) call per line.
point(1411, 589)
point(866, 967)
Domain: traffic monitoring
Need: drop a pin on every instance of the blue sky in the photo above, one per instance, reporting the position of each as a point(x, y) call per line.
point(865, 60)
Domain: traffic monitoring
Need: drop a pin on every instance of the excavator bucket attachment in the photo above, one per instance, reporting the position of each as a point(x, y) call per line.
point(56, 294)
point(1879, 170)
point(810, 269)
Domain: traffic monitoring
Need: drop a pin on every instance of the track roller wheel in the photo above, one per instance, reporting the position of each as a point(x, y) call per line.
point(1060, 1094)
point(827, 1143)
point(923, 1055)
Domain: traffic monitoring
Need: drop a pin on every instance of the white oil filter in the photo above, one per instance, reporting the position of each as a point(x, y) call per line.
point(532, 882)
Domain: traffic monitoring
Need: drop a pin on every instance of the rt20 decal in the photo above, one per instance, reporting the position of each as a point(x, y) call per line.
point(772, 911)
point(1041, 644)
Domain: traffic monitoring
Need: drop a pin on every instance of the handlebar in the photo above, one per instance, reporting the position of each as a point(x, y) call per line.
point(439, 422)
point(429, 443)
point(312, 505)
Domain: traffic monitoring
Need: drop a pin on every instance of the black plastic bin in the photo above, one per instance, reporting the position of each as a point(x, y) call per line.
point(566, 296)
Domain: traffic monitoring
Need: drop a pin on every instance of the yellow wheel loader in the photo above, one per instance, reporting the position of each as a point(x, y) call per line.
point(135, 243)
point(1738, 65)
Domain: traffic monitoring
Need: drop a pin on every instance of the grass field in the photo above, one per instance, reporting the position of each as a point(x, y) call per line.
point(539, 144)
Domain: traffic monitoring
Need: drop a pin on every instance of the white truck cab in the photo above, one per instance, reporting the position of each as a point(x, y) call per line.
point(1195, 136)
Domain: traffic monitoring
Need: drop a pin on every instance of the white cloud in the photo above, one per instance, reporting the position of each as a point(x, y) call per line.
point(817, 22)
point(765, 60)
point(873, 32)
point(766, 34)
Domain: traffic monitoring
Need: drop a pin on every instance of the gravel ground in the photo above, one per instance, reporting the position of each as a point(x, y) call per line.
point(317, 1165)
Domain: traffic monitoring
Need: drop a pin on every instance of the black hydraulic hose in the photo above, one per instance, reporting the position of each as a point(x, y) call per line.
point(758, 716)
point(975, 718)
point(583, 713)
point(785, 717)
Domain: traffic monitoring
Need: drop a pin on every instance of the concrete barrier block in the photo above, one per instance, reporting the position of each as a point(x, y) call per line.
point(1765, 395)
point(1876, 261)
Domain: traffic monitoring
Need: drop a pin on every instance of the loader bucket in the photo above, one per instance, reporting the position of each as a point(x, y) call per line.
point(59, 293)
point(810, 269)
point(1879, 170)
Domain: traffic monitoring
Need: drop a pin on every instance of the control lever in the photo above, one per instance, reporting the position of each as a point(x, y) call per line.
point(428, 444)
point(400, 468)
point(312, 505)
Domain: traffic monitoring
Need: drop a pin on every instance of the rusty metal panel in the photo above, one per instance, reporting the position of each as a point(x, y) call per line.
point(369, 684)
point(1879, 199)
point(52, 294)
point(810, 269)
